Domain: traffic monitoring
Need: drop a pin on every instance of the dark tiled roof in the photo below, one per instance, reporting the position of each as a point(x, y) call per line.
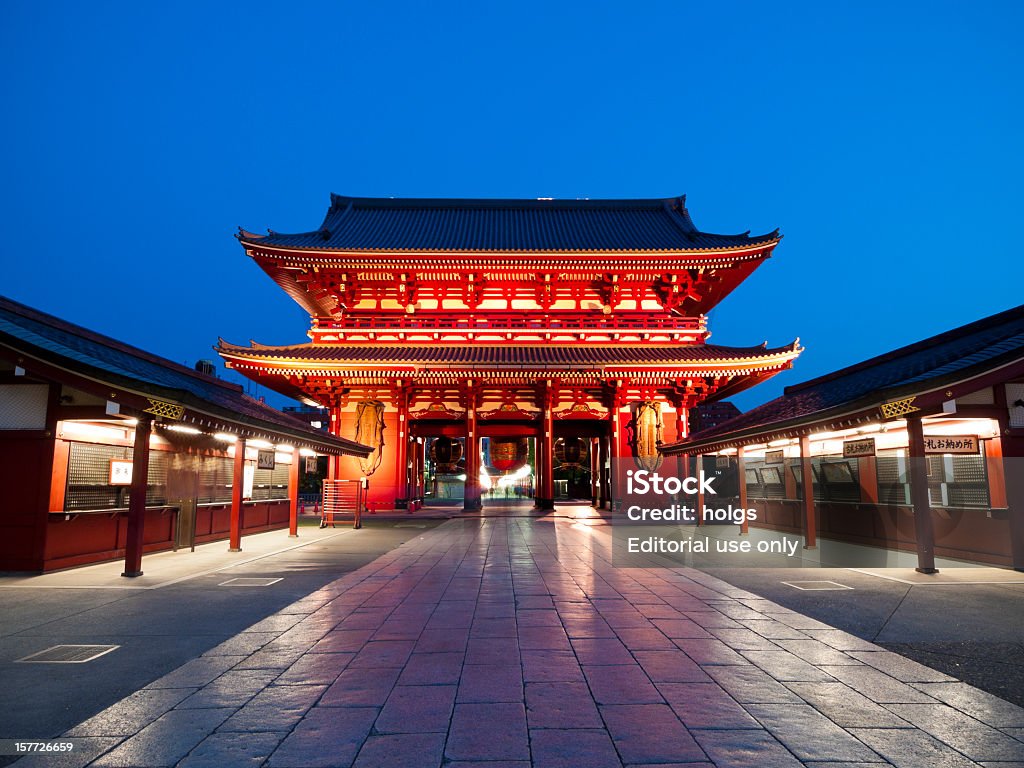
point(522, 355)
point(121, 365)
point(386, 224)
point(957, 354)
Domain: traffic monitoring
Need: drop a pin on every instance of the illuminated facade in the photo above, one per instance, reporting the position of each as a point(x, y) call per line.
point(471, 340)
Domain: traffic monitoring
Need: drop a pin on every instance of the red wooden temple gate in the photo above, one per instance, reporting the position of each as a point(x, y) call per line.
point(578, 323)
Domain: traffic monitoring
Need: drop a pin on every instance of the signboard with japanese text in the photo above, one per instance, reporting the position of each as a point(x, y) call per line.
point(265, 459)
point(721, 462)
point(120, 472)
point(960, 444)
point(855, 449)
point(775, 457)
point(311, 465)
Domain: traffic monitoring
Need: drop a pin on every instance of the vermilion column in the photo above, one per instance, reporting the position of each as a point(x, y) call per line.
point(334, 462)
point(237, 487)
point(744, 526)
point(472, 492)
point(293, 494)
point(595, 471)
point(546, 499)
point(924, 528)
point(602, 461)
point(807, 494)
point(613, 453)
point(137, 499)
point(682, 423)
point(401, 395)
point(698, 466)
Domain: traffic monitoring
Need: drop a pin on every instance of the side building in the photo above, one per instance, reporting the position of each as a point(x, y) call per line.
point(485, 347)
point(107, 451)
point(920, 449)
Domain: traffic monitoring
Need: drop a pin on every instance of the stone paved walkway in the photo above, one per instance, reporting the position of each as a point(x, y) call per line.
point(511, 642)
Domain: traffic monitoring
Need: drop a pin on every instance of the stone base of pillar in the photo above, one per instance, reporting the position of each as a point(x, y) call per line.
point(471, 505)
point(927, 570)
point(401, 503)
point(132, 574)
point(540, 503)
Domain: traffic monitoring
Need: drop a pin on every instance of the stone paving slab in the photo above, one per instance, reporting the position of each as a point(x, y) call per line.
point(511, 642)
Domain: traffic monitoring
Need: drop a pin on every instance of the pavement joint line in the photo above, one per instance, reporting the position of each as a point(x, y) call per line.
point(180, 579)
point(866, 572)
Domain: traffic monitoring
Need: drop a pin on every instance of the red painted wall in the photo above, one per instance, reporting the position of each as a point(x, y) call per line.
point(98, 538)
point(24, 477)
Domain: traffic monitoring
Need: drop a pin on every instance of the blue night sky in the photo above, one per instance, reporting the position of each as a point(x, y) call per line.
point(883, 139)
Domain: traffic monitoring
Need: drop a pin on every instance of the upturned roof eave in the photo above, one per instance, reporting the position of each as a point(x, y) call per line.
point(754, 245)
point(866, 406)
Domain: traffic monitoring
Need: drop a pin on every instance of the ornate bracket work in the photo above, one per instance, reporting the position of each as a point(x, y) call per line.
point(347, 290)
point(473, 287)
point(166, 410)
point(547, 394)
point(673, 290)
point(408, 288)
point(898, 408)
point(508, 411)
point(545, 291)
point(614, 394)
point(437, 411)
point(581, 411)
point(609, 290)
point(471, 394)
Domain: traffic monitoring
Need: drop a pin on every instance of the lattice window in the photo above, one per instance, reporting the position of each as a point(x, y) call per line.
point(88, 484)
point(893, 483)
point(270, 483)
point(216, 473)
point(958, 481)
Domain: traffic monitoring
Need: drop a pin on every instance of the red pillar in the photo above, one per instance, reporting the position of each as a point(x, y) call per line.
point(137, 498)
point(595, 471)
point(334, 462)
point(924, 528)
point(546, 497)
point(682, 423)
point(613, 455)
point(237, 487)
point(698, 467)
point(401, 397)
point(807, 494)
point(602, 468)
point(472, 492)
point(293, 494)
point(744, 526)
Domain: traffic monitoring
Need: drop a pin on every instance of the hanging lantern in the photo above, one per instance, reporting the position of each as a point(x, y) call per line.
point(571, 451)
point(507, 453)
point(446, 452)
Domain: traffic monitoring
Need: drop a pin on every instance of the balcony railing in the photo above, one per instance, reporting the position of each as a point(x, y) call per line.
point(513, 321)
